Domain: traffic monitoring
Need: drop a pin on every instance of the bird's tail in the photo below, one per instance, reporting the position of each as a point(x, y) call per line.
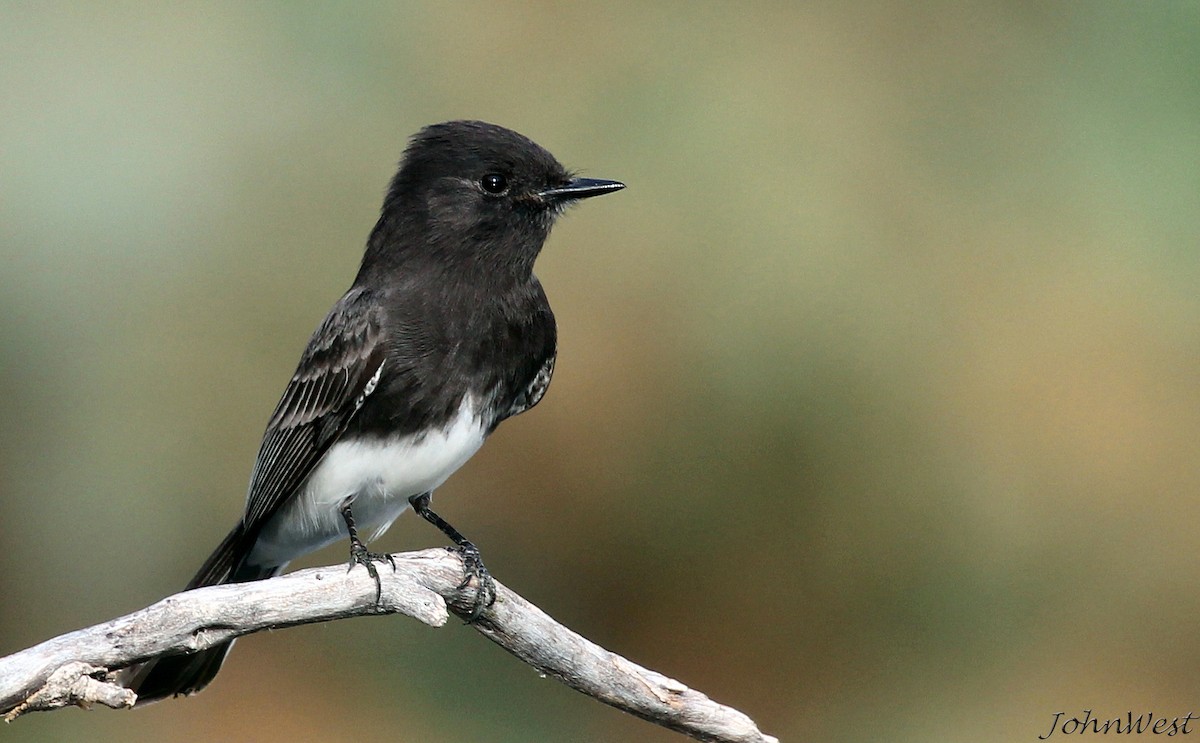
point(174, 675)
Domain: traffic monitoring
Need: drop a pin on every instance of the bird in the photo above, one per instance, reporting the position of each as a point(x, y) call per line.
point(445, 333)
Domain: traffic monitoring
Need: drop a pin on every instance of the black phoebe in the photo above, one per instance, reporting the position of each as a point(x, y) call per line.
point(444, 334)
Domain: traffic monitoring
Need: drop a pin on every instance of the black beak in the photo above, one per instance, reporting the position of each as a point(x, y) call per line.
point(581, 188)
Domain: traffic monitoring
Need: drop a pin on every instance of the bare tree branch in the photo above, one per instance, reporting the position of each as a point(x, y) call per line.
point(78, 668)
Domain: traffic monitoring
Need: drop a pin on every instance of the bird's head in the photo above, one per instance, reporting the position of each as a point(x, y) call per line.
point(475, 196)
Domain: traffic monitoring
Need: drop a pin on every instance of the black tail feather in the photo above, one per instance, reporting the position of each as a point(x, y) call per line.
point(174, 675)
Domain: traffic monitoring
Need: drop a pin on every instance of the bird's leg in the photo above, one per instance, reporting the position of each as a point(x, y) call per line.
point(360, 556)
point(485, 592)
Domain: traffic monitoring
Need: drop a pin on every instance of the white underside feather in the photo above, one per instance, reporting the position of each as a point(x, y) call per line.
point(377, 477)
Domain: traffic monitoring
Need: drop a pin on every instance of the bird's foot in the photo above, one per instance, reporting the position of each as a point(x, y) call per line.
point(360, 556)
point(473, 569)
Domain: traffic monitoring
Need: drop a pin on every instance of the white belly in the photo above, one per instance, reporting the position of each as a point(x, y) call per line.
point(377, 477)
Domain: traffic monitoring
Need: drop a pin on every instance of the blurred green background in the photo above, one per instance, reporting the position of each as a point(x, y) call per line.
point(876, 411)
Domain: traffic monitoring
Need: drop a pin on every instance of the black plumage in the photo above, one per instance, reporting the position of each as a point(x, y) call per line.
point(445, 333)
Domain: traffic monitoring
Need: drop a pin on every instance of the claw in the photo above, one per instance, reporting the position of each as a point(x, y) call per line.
point(485, 587)
point(360, 556)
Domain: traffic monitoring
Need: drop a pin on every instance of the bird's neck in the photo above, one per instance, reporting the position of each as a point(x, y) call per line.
point(407, 249)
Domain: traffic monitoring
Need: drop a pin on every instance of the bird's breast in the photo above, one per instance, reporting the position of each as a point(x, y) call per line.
point(376, 475)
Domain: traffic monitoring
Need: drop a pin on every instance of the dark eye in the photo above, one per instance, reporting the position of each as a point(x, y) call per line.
point(494, 183)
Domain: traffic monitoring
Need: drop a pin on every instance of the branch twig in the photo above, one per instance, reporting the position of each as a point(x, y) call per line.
point(77, 668)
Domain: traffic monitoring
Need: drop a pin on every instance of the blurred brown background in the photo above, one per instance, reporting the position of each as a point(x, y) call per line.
point(877, 401)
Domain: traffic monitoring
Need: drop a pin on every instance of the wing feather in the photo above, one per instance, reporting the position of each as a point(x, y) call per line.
point(342, 359)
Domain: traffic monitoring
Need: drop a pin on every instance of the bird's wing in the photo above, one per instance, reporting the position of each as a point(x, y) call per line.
point(535, 390)
point(340, 367)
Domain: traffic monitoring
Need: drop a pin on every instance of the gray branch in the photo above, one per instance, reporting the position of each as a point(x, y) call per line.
point(78, 668)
